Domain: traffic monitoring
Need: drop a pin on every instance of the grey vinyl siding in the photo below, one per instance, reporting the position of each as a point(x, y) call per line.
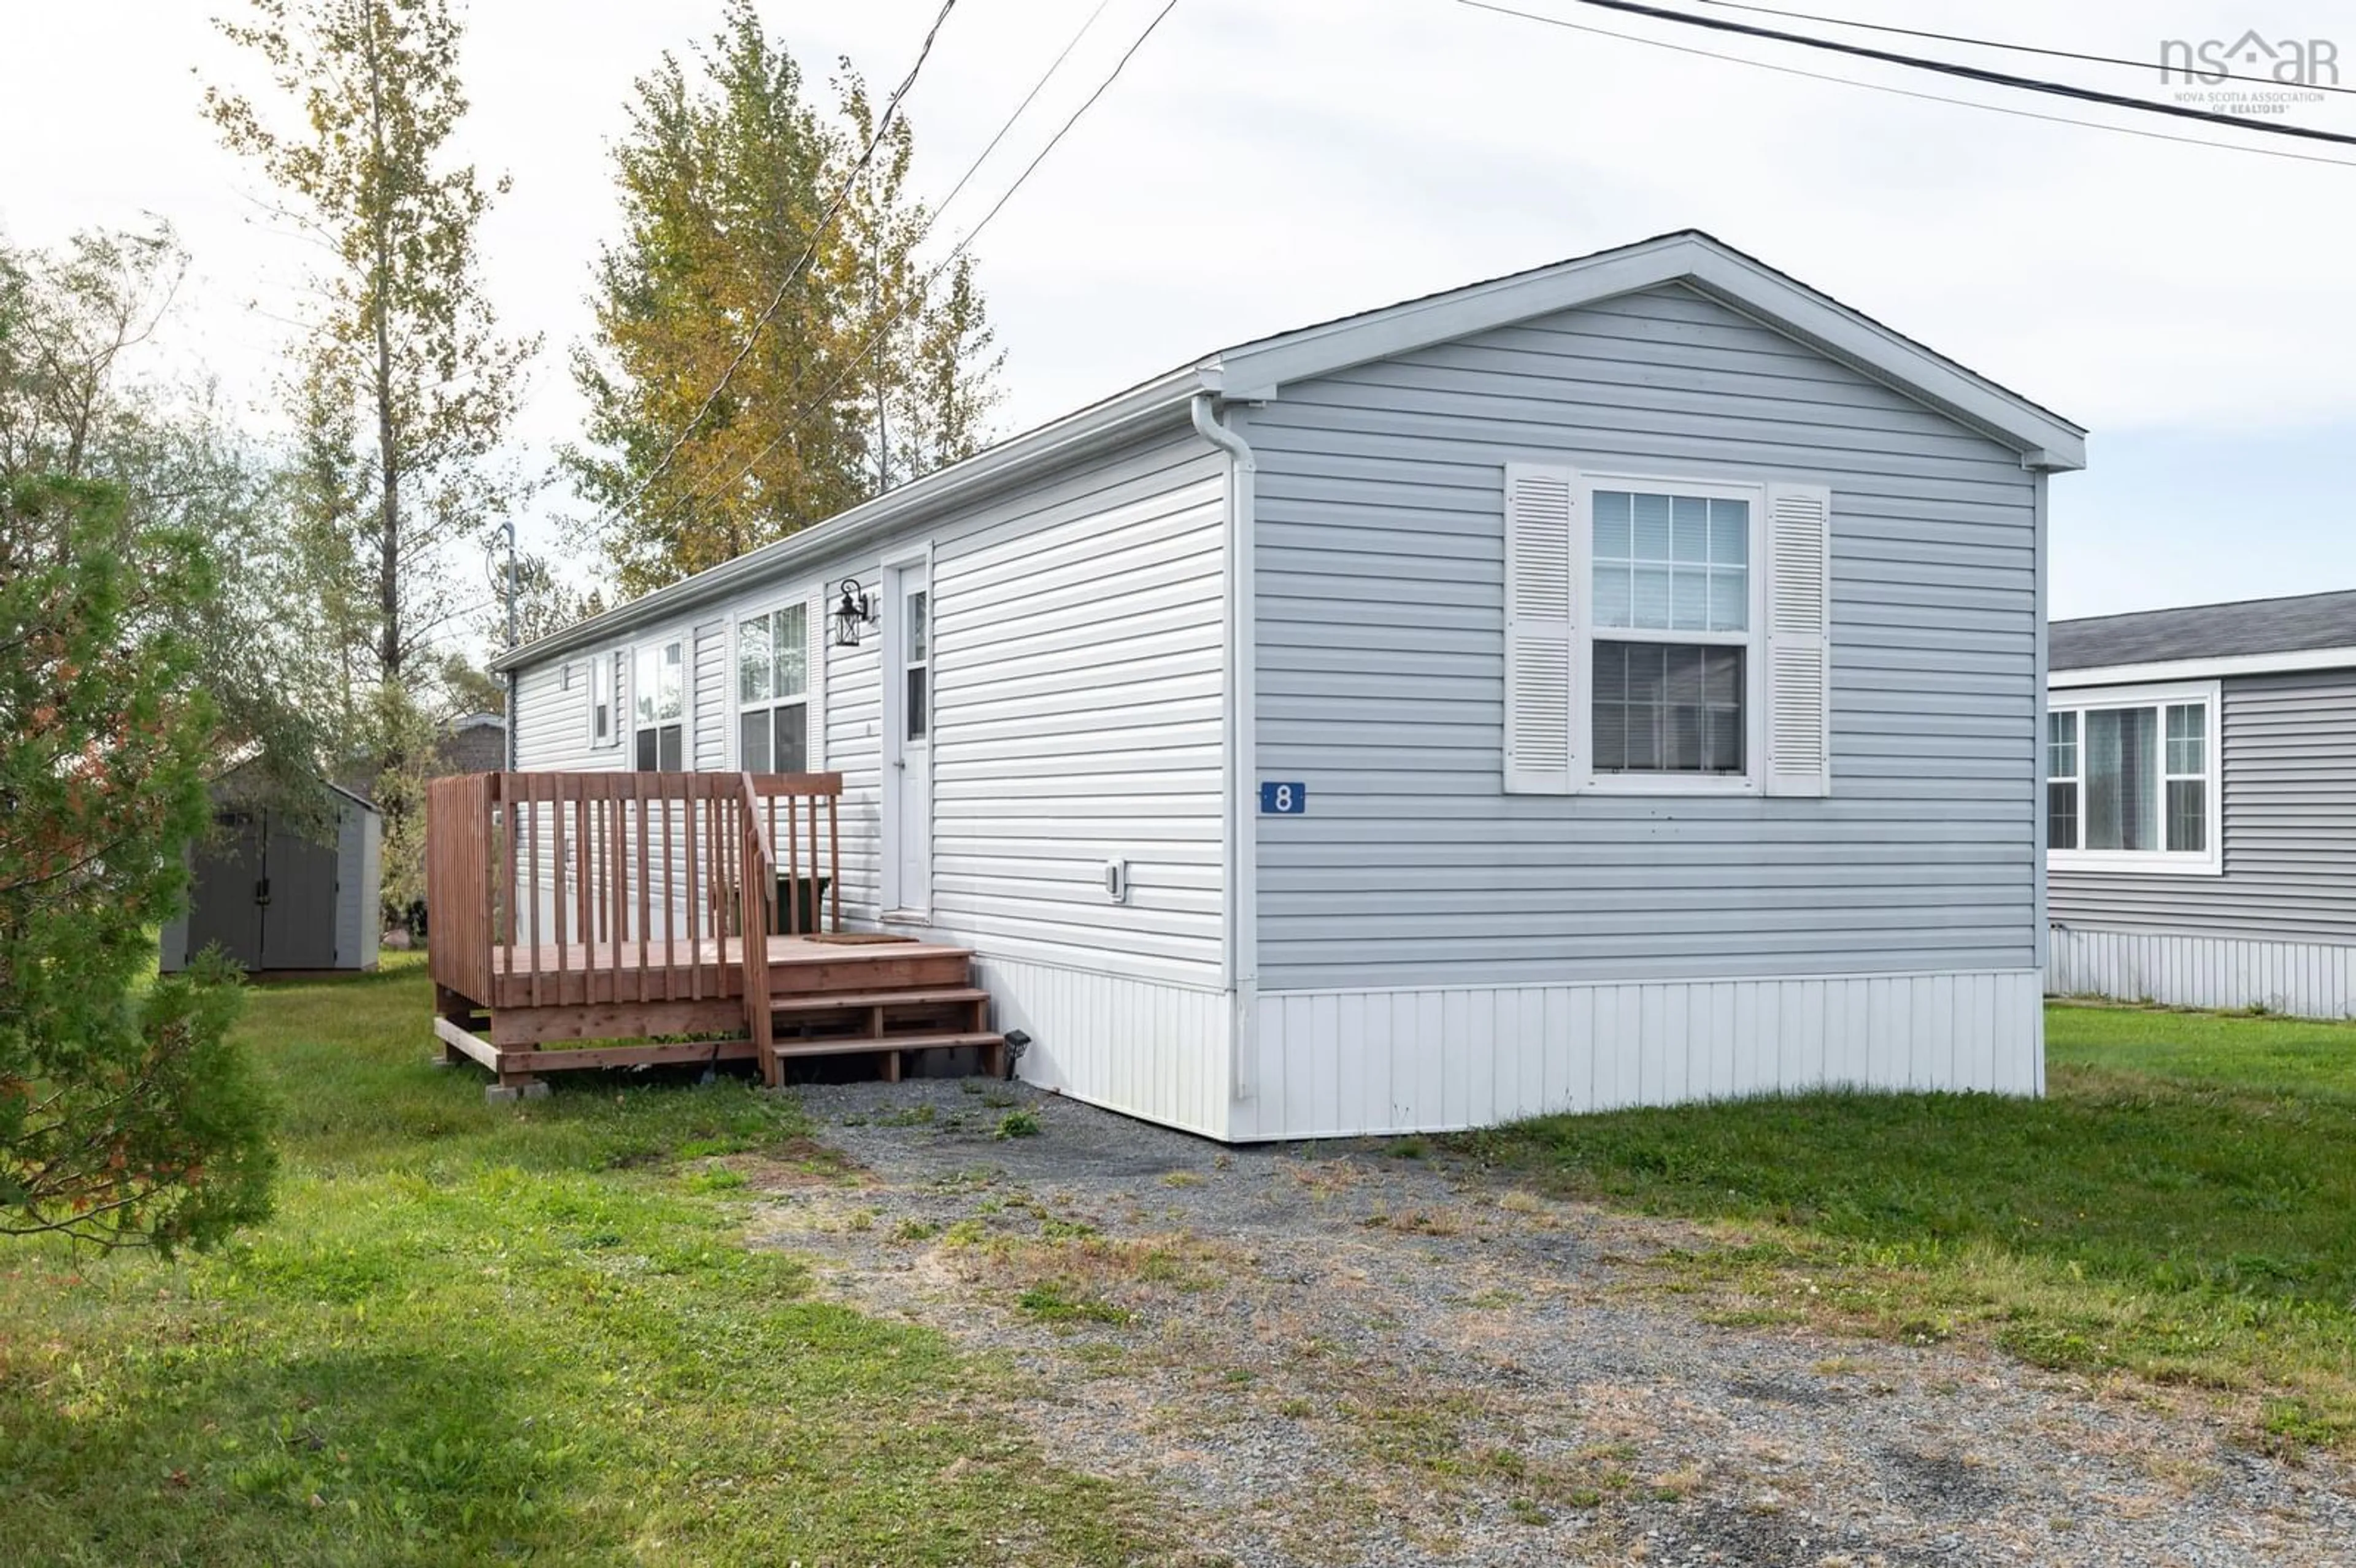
point(1077, 671)
point(1380, 631)
point(356, 914)
point(2288, 808)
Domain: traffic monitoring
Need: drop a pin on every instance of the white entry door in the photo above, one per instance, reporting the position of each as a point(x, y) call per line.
point(908, 665)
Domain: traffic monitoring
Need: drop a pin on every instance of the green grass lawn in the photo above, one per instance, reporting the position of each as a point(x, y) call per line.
point(477, 1334)
point(2183, 1205)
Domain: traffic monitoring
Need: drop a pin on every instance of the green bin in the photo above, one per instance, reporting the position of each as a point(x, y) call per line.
point(804, 898)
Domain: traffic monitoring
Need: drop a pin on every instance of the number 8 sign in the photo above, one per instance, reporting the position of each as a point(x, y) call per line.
point(1283, 799)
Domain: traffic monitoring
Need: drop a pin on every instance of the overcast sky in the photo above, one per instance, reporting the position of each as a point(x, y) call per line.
point(1268, 162)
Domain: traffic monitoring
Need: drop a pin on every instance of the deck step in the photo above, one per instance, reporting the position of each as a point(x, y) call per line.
point(827, 1001)
point(852, 1043)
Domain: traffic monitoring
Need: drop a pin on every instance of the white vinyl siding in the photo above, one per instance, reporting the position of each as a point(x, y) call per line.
point(1384, 685)
point(552, 717)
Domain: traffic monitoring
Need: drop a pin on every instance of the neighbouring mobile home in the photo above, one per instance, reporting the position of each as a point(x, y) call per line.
point(2201, 786)
point(1616, 683)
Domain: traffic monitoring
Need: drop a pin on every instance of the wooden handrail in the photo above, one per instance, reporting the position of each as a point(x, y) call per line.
point(594, 889)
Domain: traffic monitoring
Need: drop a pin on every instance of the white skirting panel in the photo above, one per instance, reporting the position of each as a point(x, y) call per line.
point(1146, 1048)
point(2306, 979)
point(1328, 1063)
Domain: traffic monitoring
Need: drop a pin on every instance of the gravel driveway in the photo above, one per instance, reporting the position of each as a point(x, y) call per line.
point(1331, 1354)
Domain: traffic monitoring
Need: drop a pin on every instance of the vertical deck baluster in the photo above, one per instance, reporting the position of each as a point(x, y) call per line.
point(638, 801)
point(531, 831)
point(694, 909)
point(670, 904)
point(834, 860)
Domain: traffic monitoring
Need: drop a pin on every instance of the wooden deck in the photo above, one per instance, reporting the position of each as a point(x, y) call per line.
point(613, 909)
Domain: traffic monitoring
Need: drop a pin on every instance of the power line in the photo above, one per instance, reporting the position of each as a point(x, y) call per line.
point(1972, 72)
point(874, 339)
point(2015, 48)
point(826, 220)
point(1905, 92)
point(984, 156)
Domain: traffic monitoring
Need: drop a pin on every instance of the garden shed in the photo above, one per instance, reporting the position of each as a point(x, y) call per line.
point(276, 892)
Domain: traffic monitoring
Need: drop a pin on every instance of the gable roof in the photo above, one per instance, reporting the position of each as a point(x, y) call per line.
point(1258, 370)
point(2243, 629)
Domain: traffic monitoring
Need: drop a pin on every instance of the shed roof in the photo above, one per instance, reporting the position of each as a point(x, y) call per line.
point(2236, 630)
point(1258, 370)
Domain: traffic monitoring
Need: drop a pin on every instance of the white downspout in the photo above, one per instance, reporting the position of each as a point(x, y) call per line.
point(1242, 769)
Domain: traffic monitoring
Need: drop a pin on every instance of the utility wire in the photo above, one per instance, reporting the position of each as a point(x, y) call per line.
point(2015, 48)
point(874, 339)
point(1905, 92)
point(984, 156)
point(1972, 72)
point(826, 220)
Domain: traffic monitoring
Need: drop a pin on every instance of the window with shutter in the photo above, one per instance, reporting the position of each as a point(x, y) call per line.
point(1666, 636)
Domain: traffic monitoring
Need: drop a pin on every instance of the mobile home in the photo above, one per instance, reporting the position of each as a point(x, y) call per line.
point(1617, 682)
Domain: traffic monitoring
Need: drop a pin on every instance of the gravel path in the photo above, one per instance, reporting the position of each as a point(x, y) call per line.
point(1331, 1355)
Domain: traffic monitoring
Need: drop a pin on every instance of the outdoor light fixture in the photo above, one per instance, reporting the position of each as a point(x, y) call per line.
point(854, 610)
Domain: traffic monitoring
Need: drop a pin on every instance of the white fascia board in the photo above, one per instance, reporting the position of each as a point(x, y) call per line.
point(2206, 670)
point(1097, 425)
point(2044, 441)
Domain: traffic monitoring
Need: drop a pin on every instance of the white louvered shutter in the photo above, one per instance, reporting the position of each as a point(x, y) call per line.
point(814, 625)
point(1542, 555)
point(1799, 640)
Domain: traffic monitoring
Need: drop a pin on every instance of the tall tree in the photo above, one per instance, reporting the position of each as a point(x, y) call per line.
point(826, 336)
point(123, 1119)
point(75, 406)
point(405, 351)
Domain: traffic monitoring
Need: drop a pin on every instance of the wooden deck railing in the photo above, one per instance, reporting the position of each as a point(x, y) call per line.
point(554, 888)
point(756, 903)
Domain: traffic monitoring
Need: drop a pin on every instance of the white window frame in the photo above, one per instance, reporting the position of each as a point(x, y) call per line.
point(685, 637)
point(2209, 862)
point(610, 661)
point(1752, 640)
point(738, 707)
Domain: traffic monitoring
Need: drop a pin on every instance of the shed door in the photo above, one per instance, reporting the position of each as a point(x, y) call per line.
point(221, 909)
point(298, 910)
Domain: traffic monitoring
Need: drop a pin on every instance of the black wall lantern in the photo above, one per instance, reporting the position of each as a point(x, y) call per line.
point(854, 609)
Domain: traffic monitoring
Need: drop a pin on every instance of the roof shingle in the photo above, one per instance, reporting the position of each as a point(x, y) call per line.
point(2205, 631)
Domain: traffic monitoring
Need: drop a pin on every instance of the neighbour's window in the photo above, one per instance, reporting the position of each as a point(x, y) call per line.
point(773, 691)
point(659, 693)
point(2061, 780)
point(2131, 780)
point(1671, 585)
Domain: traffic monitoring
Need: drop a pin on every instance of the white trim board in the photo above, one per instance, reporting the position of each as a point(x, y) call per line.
point(2290, 663)
point(1347, 1063)
point(2192, 969)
